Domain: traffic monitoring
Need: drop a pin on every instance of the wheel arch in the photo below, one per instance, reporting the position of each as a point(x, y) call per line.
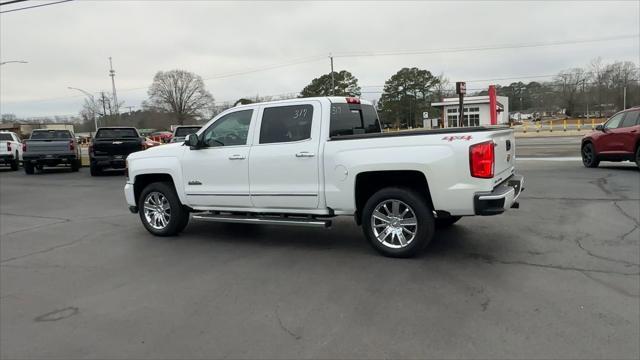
point(368, 183)
point(142, 180)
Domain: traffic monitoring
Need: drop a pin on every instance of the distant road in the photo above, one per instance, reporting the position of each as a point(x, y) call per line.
point(557, 146)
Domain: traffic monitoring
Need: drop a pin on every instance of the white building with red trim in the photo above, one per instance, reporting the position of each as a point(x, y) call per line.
point(477, 110)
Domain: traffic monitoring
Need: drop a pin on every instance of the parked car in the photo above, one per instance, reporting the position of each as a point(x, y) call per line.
point(111, 146)
point(181, 132)
point(161, 136)
point(10, 150)
point(50, 148)
point(618, 139)
point(305, 161)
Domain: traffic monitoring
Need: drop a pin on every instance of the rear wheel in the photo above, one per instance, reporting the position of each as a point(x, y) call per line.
point(397, 222)
point(589, 158)
point(15, 165)
point(75, 165)
point(29, 169)
point(161, 212)
point(446, 221)
point(638, 156)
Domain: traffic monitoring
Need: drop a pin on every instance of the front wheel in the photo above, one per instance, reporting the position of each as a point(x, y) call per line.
point(397, 222)
point(589, 158)
point(161, 212)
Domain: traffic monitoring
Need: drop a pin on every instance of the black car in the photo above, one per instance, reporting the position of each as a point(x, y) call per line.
point(111, 146)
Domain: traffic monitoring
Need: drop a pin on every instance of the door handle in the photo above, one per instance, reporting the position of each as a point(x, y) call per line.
point(236, 157)
point(304, 154)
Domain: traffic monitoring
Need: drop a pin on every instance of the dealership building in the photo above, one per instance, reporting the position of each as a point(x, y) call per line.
point(478, 110)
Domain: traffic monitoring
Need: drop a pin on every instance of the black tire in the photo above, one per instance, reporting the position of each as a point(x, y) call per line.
point(446, 222)
point(94, 170)
point(589, 157)
point(178, 214)
point(75, 165)
point(29, 169)
point(422, 215)
point(638, 156)
point(15, 165)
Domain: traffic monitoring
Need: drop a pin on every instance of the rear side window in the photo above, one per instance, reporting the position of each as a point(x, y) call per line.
point(5, 137)
point(116, 133)
point(286, 124)
point(350, 119)
point(51, 135)
point(631, 118)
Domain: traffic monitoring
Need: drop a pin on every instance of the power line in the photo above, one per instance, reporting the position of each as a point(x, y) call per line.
point(11, 2)
point(33, 6)
point(483, 48)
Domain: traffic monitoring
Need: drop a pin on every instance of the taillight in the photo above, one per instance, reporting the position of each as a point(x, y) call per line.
point(353, 100)
point(482, 160)
point(24, 147)
point(8, 146)
point(72, 146)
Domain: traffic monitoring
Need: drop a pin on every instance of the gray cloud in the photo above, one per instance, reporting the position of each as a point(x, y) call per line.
point(68, 44)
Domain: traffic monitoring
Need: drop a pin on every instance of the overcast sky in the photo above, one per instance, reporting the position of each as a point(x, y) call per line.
point(68, 44)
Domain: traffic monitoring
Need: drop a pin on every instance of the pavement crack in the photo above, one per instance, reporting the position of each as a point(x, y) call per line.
point(491, 260)
point(609, 286)
point(284, 328)
point(591, 253)
point(46, 250)
point(628, 232)
point(635, 221)
point(36, 216)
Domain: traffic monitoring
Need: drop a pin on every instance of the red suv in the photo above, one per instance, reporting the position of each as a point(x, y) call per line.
point(616, 140)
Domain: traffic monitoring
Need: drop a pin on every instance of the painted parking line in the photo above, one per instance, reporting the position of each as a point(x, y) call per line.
point(568, 158)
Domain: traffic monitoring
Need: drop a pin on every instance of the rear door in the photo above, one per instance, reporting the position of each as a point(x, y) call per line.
point(284, 158)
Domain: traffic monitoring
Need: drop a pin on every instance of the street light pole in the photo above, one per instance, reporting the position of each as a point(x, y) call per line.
point(93, 104)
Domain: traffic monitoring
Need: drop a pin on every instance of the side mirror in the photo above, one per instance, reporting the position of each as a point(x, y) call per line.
point(192, 141)
point(600, 127)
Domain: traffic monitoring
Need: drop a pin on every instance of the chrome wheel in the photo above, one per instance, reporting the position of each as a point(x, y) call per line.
point(157, 210)
point(394, 223)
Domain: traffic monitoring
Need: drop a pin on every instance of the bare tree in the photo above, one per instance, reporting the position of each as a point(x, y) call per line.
point(181, 93)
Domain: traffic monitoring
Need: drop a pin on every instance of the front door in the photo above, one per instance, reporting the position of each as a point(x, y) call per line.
point(217, 173)
point(284, 159)
point(611, 142)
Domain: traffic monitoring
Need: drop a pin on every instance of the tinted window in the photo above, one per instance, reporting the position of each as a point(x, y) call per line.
point(51, 135)
point(116, 133)
point(631, 119)
point(5, 137)
point(286, 124)
point(231, 129)
point(615, 121)
point(349, 119)
point(184, 131)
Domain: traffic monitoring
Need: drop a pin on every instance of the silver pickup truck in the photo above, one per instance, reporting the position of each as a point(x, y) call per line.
point(50, 148)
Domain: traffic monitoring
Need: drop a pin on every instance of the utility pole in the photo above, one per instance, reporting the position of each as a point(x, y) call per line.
point(624, 97)
point(112, 73)
point(333, 85)
point(461, 89)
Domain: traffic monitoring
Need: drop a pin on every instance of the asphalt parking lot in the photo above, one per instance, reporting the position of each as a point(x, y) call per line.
point(557, 278)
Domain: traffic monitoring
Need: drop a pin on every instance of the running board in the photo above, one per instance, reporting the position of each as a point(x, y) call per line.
point(265, 220)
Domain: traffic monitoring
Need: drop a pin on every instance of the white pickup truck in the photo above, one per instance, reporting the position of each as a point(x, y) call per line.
point(305, 161)
point(10, 150)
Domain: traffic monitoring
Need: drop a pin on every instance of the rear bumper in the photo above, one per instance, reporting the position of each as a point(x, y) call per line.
point(109, 161)
point(49, 158)
point(503, 197)
point(6, 159)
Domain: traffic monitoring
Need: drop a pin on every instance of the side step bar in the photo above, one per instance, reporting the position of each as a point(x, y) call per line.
point(265, 220)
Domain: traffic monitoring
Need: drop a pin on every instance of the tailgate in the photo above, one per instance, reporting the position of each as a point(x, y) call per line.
point(47, 146)
point(505, 149)
point(116, 146)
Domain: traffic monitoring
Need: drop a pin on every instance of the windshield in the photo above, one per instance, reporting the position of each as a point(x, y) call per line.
point(184, 131)
point(116, 133)
point(350, 119)
point(51, 135)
